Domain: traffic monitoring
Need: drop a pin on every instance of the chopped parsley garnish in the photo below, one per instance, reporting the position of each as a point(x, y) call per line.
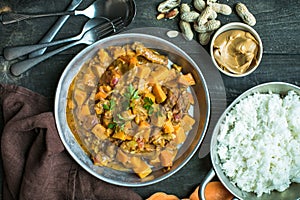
point(132, 93)
point(111, 125)
point(148, 105)
point(111, 105)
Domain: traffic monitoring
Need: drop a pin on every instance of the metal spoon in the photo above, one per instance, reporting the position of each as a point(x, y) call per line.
point(110, 9)
point(11, 53)
point(88, 38)
point(55, 28)
point(94, 10)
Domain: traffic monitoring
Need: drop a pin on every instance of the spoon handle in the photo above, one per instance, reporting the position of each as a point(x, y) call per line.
point(9, 18)
point(14, 52)
point(55, 28)
point(18, 68)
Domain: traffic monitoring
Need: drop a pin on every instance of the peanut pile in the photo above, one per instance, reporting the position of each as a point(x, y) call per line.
point(202, 20)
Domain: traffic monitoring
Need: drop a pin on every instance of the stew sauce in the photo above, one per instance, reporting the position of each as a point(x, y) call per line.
point(129, 110)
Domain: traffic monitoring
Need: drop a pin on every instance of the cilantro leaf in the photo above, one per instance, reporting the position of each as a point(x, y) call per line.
point(105, 106)
point(112, 104)
point(131, 93)
point(148, 105)
point(111, 125)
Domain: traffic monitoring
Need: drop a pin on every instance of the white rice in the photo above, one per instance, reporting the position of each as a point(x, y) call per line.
point(259, 143)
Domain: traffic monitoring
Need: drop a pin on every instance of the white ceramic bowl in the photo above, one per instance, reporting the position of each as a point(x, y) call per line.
point(236, 26)
point(292, 192)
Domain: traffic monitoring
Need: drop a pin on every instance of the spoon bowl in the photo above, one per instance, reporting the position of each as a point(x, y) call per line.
point(110, 9)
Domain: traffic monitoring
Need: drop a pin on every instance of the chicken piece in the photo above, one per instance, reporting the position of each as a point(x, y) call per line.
point(150, 55)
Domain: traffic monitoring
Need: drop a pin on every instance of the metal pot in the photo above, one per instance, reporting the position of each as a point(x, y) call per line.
point(292, 192)
point(188, 148)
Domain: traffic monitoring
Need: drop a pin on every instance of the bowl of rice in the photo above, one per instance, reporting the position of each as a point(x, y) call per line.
point(256, 143)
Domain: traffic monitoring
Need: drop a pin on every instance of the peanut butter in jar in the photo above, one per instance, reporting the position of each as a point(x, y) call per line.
point(236, 51)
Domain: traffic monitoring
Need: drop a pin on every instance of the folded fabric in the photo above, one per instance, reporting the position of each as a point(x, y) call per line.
point(35, 162)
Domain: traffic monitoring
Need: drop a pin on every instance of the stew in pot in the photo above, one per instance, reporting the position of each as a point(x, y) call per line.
point(128, 108)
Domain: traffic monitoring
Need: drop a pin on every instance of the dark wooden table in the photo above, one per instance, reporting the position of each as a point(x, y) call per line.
point(278, 23)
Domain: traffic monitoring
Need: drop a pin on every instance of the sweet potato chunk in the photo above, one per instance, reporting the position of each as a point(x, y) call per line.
point(168, 127)
point(187, 79)
point(119, 135)
point(159, 94)
point(140, 167)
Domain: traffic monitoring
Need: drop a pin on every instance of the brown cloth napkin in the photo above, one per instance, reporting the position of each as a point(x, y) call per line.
point(35, 162)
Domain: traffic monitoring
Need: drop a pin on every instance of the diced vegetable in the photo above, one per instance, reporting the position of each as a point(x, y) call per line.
point(89, 78)
point(144, 125)
point(100, 95)
point(79, 96)
point(168, 127)
point(187, 122)
point(159, 94)
point(104, 58)
point(99, 131)
point(119, 135)
point(160, 73)
point(85, 110)
point(187, 79)
point(140, 167)
point(155, 162)
point(143, 71)
point(180, 135)
point(122, 156)
point(166, 158)
point(129, 109)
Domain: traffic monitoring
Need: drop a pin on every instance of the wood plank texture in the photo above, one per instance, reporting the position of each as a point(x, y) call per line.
point(278, 23)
